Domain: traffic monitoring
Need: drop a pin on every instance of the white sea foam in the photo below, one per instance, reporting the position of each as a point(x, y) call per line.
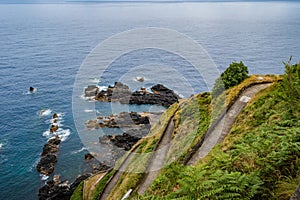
point(44, 177)
point(58, 122)
point(44, 112)
point(87, 98)
point(104, 88)
point(78, 151)
point(1, 145)
point(89, 111)
point(94, 80)
point(62, 133)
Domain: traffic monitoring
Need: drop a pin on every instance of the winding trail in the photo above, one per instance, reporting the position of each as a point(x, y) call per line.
point(218, 131)
point(157, 160)
point(114, 179)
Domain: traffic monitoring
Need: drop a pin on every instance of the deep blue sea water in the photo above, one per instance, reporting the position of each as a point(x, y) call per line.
point(43, 45)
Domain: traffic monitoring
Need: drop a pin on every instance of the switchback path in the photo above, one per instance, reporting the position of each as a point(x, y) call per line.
point(217, 133)
point(157, 160)
point(114, 179)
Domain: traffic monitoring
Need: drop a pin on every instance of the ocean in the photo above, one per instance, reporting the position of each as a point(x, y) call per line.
point(44, 45)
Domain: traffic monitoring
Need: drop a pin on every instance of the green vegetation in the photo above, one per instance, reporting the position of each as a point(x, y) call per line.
point(232, 76)
point(259, 159)
point(78, 193)
point(100, 186)
point(191, 123)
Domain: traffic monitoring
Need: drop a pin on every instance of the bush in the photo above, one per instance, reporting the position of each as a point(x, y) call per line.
point(291, 84)
point(232, 76)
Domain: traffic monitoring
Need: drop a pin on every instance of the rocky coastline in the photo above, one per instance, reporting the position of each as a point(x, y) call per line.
point(134, 125)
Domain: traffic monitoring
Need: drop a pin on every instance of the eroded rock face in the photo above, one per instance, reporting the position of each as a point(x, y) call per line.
point(121, 93)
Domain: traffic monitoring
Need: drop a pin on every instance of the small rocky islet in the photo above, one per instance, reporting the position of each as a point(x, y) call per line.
point(159, 95)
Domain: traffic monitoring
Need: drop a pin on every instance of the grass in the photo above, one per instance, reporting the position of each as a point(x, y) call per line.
point(192, 122)
point(228, 96)
point(78, 192)
point(101, 184)
point(254, 161)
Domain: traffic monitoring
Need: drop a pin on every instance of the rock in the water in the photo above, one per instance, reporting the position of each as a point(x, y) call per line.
point(53, 128)
point(31, 89)
point(54, 116)
point(160, 96)
point(47, 164)
point(54, 190)
point(91, 91)
point(121, 93)
point(88, 156)
point(49, 158)
point(140, 79)
point(123, 119)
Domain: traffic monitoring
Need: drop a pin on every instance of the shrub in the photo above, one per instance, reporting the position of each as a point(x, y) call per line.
point(232, 76)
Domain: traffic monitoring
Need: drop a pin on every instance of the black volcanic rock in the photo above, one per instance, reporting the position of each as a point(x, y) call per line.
point(47, 164)
point(60, 191)
point(121, 93)
point(31, 89)
point(49, 158)
point(161, 96)
point(123, 119)
point(88, 156)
